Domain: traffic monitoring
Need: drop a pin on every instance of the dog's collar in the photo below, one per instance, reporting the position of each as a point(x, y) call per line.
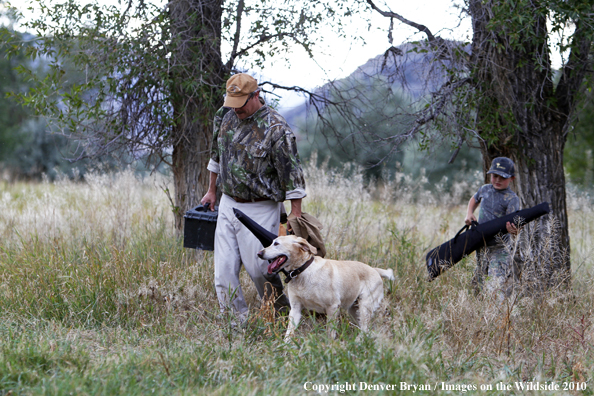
point(293, 274)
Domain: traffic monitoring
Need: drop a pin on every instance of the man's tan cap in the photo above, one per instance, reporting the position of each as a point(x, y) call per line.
point(239, 87)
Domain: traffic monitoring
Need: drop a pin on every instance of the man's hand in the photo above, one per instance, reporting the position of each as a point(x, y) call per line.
point(210, 197)
point(295, 211)
point(295, 208)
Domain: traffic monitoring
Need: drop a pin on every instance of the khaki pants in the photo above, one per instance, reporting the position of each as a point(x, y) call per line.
point(236, 245)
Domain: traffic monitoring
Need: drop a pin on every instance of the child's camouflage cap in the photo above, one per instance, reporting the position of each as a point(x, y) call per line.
point(503, 167)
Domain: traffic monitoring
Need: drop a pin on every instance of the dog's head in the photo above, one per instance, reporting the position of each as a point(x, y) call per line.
point(287, 252)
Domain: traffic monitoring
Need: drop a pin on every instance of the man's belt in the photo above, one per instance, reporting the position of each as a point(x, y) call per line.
point(241, 200)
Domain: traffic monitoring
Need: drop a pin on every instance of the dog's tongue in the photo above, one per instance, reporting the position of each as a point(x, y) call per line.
point(275, 265)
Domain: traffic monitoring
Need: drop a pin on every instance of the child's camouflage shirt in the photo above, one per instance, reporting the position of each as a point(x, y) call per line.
point(494, 204)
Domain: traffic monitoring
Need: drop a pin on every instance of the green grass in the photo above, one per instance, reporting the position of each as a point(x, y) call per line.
point(97, 296)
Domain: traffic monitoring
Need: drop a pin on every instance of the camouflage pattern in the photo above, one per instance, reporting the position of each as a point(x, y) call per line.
point(495, 203)
point(493, 260)
point(494, 265)
point(257, 156)
point(218, 119)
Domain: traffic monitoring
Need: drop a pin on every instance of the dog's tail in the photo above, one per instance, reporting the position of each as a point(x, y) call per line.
point(388, 274)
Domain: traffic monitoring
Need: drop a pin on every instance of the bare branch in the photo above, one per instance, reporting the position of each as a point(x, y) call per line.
point(419, 27)
point(312, 95)
point(392, 50)
point(456, 151)
point(126, 10)
point(234, 53)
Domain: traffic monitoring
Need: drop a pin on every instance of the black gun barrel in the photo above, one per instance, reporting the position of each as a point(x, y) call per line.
point(264, 236)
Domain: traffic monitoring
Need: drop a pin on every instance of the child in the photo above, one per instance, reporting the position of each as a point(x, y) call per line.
point(495, 200)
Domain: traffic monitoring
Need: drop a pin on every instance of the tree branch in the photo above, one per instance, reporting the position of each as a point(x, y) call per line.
point(436, 108)
point(234, 53)
point(419, 27)
point(314, 97)
point(126, 10)
point(264, 39)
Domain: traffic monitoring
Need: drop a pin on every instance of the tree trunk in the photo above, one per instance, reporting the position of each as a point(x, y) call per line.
point(541, 177)
point(517, 110)
point(197, 82)
point(190, 176)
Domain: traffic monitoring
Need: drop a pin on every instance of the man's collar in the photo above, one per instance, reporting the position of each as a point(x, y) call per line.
point(257, 113)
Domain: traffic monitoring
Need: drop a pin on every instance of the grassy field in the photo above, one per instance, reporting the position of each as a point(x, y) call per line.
point(97, 296)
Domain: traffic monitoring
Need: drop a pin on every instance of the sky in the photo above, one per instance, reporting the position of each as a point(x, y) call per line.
point(336, 58)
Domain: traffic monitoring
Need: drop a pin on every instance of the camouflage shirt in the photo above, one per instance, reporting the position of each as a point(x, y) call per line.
point(494, 204)
point(256, 157)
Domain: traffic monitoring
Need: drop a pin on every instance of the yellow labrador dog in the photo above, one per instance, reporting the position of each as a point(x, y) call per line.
point(325, 285)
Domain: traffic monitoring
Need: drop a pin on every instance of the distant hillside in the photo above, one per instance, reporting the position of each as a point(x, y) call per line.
point(414, 73)
point(407, 75)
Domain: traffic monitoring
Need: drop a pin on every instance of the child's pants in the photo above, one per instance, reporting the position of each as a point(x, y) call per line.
point(495, 264)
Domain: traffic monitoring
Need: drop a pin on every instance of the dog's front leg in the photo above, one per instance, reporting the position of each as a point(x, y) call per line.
point(294, 318)
point(331, 315)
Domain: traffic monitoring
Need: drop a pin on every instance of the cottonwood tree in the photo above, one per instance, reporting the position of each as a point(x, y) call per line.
point(155, 74)
point(503, 89)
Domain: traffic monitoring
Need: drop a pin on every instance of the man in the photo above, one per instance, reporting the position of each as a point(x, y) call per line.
point(254, 161)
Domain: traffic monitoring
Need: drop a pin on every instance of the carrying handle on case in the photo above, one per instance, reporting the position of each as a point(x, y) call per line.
point(466, 227)
point(202, 208)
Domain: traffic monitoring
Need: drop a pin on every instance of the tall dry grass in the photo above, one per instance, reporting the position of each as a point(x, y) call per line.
point(98, 296)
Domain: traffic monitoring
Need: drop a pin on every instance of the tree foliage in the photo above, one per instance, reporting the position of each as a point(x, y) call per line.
point(579, 150)
point(468, 102)
point(12, 116)
point(139, 58)
point(27, 148)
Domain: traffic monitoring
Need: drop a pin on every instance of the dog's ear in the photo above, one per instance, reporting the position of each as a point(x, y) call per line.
point(306, 247)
